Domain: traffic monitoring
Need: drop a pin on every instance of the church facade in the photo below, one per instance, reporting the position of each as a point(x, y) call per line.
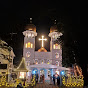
point(42, 56)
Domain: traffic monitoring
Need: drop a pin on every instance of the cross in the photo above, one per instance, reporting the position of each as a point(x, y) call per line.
point(12, 34)
point(43, 40)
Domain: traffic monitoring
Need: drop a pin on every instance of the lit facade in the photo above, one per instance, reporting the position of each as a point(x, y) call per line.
point(33, 58)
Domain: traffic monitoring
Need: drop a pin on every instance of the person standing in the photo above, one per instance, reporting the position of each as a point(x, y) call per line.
point(43, 78)
point(54, 79)
point(58, 80)
point(50, 79)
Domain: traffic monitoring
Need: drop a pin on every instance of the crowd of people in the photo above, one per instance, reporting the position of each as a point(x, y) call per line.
point(55, 78)
point(58, 79)
point(42, 78)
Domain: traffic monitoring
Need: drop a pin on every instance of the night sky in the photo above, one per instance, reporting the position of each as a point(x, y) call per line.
point(14, 15)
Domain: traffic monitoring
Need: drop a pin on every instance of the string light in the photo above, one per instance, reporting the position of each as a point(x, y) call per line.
point(4, 83)
point(73, 81)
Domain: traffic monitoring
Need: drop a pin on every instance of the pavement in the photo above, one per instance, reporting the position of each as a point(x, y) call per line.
point(45, 85)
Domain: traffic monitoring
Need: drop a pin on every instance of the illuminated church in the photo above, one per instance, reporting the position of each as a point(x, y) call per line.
point(42, 61)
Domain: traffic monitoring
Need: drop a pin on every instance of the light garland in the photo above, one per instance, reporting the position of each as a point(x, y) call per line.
point(73, 81)
point(4, 83)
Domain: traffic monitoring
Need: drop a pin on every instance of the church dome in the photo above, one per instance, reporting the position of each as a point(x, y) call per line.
point(42, 49)
point(30, 27)
point(53, 28)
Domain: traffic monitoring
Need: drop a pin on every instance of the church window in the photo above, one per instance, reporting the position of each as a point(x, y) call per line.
point(29, 45)
point(56, 46)
point(42, 61)
point(32, 35)
point(36, 61)
point(28, 63)
point(48, 62)
point(57, 55)
point(28, 54)
point(26, 45)
point(57, 63)
point(29, 35)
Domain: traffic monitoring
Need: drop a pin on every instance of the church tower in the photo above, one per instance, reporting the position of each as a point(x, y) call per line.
point(29, 43)
point(55, 48)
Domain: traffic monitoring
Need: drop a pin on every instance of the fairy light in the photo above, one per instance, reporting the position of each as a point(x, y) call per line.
point(73, 82)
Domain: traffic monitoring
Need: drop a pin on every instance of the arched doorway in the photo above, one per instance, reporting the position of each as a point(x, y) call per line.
point(43, 71)
point(35, 71)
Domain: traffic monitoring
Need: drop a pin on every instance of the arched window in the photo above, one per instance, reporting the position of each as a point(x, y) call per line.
point(36, 61)
point(48, 62)
point(28, 54)
point(28, 63)
point(29, 45)
point(56, 46)
point(57, 55)
point(42, 62)
point(57, 63)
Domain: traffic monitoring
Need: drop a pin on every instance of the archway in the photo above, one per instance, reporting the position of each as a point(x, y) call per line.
point(43, 71)
point(35, 71)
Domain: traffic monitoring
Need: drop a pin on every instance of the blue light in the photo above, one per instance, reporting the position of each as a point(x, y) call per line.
point(62, 73)
point(34, 72)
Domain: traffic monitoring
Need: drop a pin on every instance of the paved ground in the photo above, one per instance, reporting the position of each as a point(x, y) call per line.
point(45, 85)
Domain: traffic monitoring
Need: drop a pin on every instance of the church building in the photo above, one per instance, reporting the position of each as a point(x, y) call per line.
point(42, 61)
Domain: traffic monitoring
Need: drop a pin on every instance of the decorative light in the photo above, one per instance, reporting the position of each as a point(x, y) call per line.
point(42, 40)
point(62, 73)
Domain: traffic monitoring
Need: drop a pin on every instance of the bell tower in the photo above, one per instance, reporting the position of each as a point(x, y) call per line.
point(29, 42)
point(55, 48)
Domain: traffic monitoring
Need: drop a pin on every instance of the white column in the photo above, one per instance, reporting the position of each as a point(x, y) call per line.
point(46, 74)
point(38, 74)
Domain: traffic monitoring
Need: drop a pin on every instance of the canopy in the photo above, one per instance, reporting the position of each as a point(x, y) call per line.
point(22, 66)
point(48, 66)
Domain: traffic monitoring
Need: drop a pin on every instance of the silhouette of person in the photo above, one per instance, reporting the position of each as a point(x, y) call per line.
point(54, 79)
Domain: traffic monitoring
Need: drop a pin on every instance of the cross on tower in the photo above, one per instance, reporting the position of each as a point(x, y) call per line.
point(43, 40)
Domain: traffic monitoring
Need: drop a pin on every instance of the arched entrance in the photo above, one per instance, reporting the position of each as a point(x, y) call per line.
point(43, 71)
point(35, 71)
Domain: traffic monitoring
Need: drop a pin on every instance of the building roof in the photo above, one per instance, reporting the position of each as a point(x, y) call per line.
point(53, 28)
point(22, 66)
point(30, 27)
point(42, 49)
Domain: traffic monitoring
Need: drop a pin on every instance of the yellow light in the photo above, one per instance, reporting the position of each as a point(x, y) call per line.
point(31, 45)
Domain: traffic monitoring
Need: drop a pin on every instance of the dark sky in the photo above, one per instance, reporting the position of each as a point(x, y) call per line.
point(14, 15)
